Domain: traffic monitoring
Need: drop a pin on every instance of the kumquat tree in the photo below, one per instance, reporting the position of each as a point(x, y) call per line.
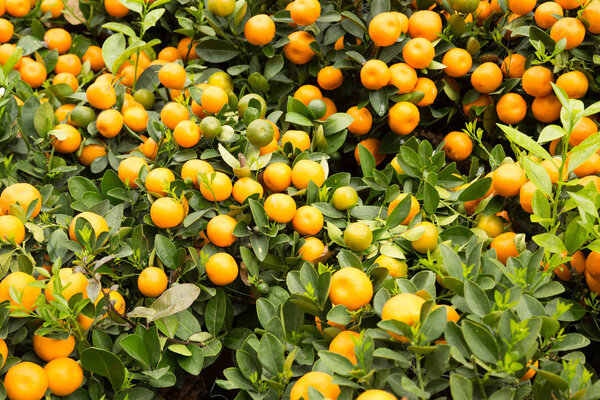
point(307, 199)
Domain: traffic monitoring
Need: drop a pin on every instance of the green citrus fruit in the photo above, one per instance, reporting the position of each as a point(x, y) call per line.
point(318, 107)
point(145, 98)
point(358, 236)
point(260, 132)
point(222, 80)
point(465, 6)
point(210, 127)
point(344, 197)
point(244, 102)
point(82, 116)
point(221, 8)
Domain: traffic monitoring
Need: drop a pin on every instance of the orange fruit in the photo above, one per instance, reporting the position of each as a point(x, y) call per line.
point(584, 129)
point(217, 188)
point(591, 166)
point(458, 146)
point(21, 194)
point(551, 167)
point(330, 78)
point(307, 221)
point(521, 7)
point(544, 14)
point(403, 118)
point(358, 236)
point(67, 79)
point(396, 268)
point(372, 145)
point(418, 53)
point(66, 138)
point(172, 76)
point(546, 109)
point(575, 83)
point(591, 14)
point(312, 249)
point(568, 28)
point(505, 246)
point(6, 30)
point(115, 8)
point(173, 113)
point(385, 29)
point(428, 240)
point(20, 282)
point(458, 62)
point(319, 381)
point(220, 230)
point(277, 177)
point(94, 55)
point(149, 148)
point(305, 171)
point(280, 207)
point(298, 50)
point(11, 228)
point(25, 380)
point(187, 133)
point(129, 170)
point(213, 99)
point(152, 282)
point(344, 344)
point(3, 352)
point(511, 108)
point(71, 282)
point(187, 49)
point(109, 123)
point(486, 78)
point(168, 54)
point(34, 73)
point(244, 188)
point(351, 288)
point(536, 81)
point(492, 225)
point(403, 307)
point(526, 196)
point(167, 212)
point(18, 8)
point(513, 65)
point(101, 95)
point(259, 30)
point(64, 376)
point(414, 207)
point(375, 394)
point(331, 108)
point(429, 90)
point(58, 39)
point(159, 181)
point(482, 101)
point(507, 179)
point(362, 120)
point(578, 260)
point(299, 139)
point(221, 269)
point(403, 76)
point(49, 349)
point(68, 63)
point(305, 12)
point(425, 24)
point(308, 93)
point(6, 51)
point(96, 221)
point(192, 168)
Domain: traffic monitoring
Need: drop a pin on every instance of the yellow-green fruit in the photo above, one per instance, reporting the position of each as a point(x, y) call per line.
point(358, 236)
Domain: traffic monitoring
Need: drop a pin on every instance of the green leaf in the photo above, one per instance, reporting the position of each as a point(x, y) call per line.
point(336, 123)
point(582, 152)
point(118, 27)
point(550, 133)
point(135, 347)
point(112, 48)
point(258, 213)
point(104, 363)
point(165, 250)
point(175, 299)
point(475, 190)
point(480, 341)
point(270, 354)
point(461, 387)
point(550, 242)
point(525, 142)
point(379, 100)
point(214, 314)
point(194, 363)
point(538, 175)
point(216, 50)
point(431, 198)
point(476, 299)
point(336, 362)
point(367, 161)
point(43, 119)
point(571, 341)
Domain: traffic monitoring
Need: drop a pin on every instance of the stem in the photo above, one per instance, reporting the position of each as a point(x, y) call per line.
point(479, 383)
point(419, 373)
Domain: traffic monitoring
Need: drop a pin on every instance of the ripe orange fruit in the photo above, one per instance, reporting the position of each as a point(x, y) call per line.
point(64, 376)
point(578, 260)
point(218, 187)
point(21, 194)
point(152, 282)
point(101, 95)
point(305, 171)
point(68, 63)
point(187, 49)
point(513, 65)
point(259, 30)
point(425, 24)
point(575, 83)
point(505, 246)
point(546, 109)
point(403, 307)
point(544, 14)
point(591, 14)
point(396, 268)
point(71, 282)
point(526, 196)
point(3, 352)
point(492, 225)
point(11, 228)
point(172, 76)
point(482, 101)
point(521, 7)
point(244, 188)
point(418, 53)
point(6, 51)
point(221, 269)
point(192, 168)
point(109, 123)
point(58, 39)
point(149, 148)
point(570, 29)
point(213, 99)
point(308, 93)
point(6, 30)
point(511, 108)
point(551, 167)
point(414, 207)
point(49, 349)
point(96, 221)
point(66, 138)
point(26, 380)
point(305, 12)
point(220, 230)
point(168, 54)
point(404, 77)
point(344, 344)
point(173, 113)
point(361, 120)
point(167, 212)
point(429, 90)
point(428, 240)
point(34, 73)
point(94, 55)
point(129, 170)
point(277, 177)
point(584, 129)
point(372, 145)
point(115, 8)
point(536, 81)
point(187, 133)
point(330, 78)
point(486, 78)
point(319, 381)
point(307, 221)
point(298, 50)
point(403, 118)
point(159, 180)
point(312, 249)
point(67, 79)
point(385, 29)
point(591, 166)
point(280, 207)
point(18, 8)
point(507, 179)
point(299, 139)
point(20, 282)
point(458, 146)
point(458, 62)
point(375, 394)
point(351, 288)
